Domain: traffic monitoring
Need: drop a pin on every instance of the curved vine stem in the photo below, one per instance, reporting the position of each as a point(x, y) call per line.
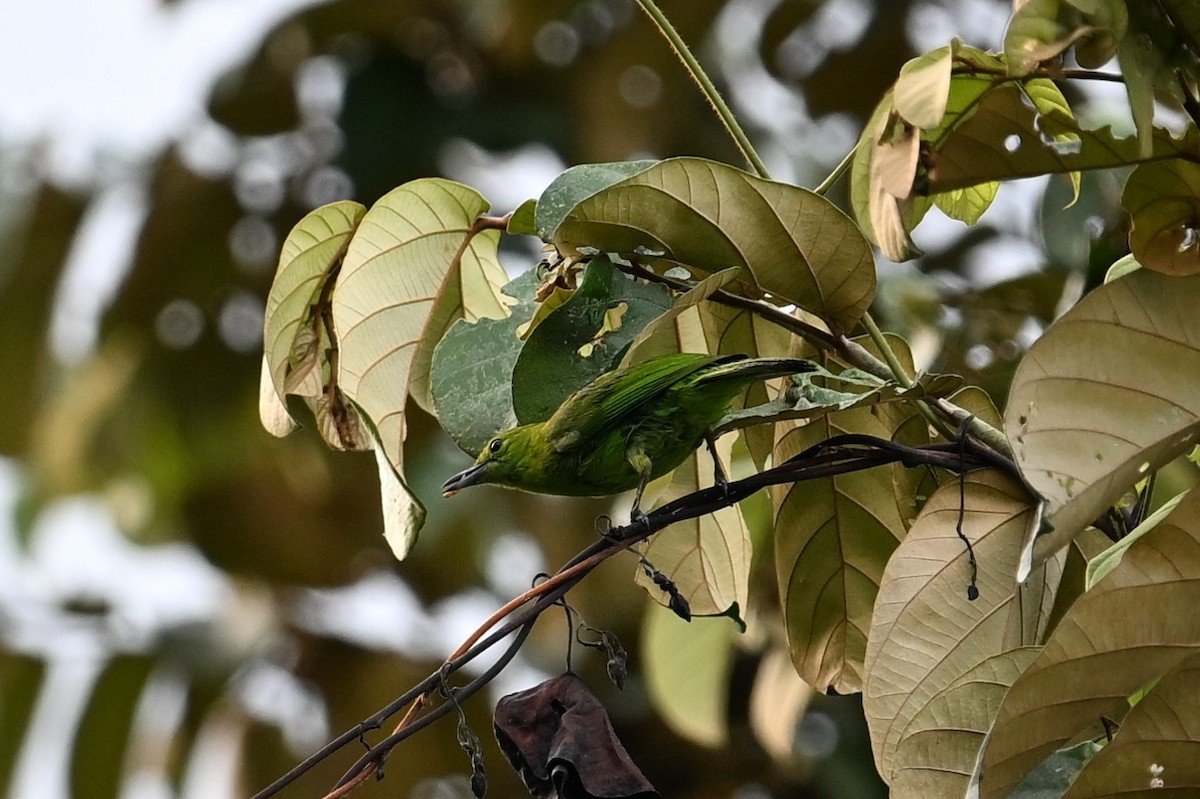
point(706, 86)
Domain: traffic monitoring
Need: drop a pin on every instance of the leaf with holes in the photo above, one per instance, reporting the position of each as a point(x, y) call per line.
point(471, 380)
point(1107, 395)
point(583, 338)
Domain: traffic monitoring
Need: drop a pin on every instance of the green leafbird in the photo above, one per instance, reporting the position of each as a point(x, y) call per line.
point(623, 429)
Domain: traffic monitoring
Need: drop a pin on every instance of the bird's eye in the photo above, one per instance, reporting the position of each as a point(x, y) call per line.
point(495, 446)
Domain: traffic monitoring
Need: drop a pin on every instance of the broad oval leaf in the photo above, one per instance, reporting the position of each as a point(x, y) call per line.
point(415, 265)
point(708, 558)
point(1157, 748)
point(1109, 393)
point(1135, 625)
point(833, 537)
point(1163, 201)
point(688, 668)
point(926, 636)
point(293, 334)
point(939, 745)
point(791, 242)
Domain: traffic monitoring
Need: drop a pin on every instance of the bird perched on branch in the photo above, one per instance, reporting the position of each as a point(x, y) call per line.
point(624, 429)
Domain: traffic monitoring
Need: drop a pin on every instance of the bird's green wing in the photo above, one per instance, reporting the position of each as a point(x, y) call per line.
point(604, 402)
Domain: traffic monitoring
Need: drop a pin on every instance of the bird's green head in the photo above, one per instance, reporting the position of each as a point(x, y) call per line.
point(504, 460)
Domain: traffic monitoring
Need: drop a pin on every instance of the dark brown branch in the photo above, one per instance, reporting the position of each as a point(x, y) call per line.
point(837, 455)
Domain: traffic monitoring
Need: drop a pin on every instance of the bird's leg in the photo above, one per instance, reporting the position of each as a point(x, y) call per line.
point(720, 476)
point(643, 465)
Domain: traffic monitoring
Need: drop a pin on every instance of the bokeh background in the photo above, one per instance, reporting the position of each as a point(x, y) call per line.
point(188, 606)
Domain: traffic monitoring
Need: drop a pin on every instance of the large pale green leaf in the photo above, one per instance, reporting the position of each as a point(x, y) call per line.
point(583, 338)
point(1163, 201)
point(1109, 393)
point(778, 700)
point(923, 86)
point(681, 328)
point(939, 745)
point(1157, 749)
point(471, 381)
point(295, 341)
point(1135, 625)
point(790, 242)
point(708, 558)
point(833, 537)
point(929, 642)
point(415, 265)
point(688, 668)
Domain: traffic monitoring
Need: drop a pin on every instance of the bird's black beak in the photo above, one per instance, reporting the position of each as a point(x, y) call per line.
point(467, 477)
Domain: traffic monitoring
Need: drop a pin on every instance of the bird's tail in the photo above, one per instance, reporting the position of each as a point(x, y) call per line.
point(745, 369)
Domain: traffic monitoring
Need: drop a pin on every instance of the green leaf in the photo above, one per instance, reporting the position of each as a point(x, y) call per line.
point(1163, 201)
point(295, 343)
point(708, 558)
point(778, 700)
point(522, 220)
point(1107, 560)
point(1122, 266)
point(833, 537)
point(1041, 30)
point(1104, 397)
point(102, 737)
point(473, 364)
point(1127, 631)
point(416, 264)
point(789, 242)
point(928, 641)
point(688, 668)
point(1157, 748)
point(1006, 139)
point(583, 339)
point(574, 186)
point(923, 86)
